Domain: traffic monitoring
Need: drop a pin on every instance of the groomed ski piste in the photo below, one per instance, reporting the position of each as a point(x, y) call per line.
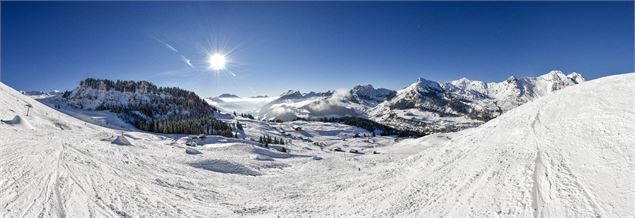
point(568, 154)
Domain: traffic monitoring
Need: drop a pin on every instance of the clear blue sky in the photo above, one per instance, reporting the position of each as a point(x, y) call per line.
point(309, 45)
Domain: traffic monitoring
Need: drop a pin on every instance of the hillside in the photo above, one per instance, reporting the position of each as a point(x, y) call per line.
point(569, 154)
point(147, 106)
point(54, 165)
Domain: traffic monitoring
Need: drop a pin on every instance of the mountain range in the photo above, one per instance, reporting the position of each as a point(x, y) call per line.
point(425, 105)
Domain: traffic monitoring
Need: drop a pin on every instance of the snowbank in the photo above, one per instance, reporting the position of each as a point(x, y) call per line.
point(121, 140)
point(17, 121)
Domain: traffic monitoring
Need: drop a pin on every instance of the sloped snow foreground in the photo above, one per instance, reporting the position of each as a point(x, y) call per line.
point(569, 154)
point(81, 170)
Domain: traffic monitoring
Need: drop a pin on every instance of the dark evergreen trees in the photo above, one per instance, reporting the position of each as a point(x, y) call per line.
point(266, 140)
point(247, 116)
point(194, 126)
point(371, 126)
point(238, 125)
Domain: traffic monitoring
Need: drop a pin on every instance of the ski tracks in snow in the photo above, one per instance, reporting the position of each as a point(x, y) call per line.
point(56, 184)
point(553, 180)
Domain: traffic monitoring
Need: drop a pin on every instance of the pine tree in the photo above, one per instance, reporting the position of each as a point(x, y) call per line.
point(238, 125)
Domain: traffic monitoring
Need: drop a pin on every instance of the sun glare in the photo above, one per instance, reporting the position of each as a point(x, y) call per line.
point(216, 61)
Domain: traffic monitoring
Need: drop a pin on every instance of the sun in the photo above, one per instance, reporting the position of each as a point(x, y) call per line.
point(216, 61)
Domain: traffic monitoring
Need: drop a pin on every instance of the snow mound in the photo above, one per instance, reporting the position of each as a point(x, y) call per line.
point(269, 153)
point(14, 121)
point(17, 121)
point(192, 151)
point(263, 157)
point(223, 166)
point(121, 140)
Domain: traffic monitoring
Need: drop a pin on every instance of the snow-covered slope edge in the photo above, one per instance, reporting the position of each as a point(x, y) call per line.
point(570, 154)
point(53, 165)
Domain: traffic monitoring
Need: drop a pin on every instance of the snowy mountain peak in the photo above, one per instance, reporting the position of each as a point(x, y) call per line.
point(228, 95)
point(511, 79)
point(291, 94)
point(260, 96)
point(368, 95)
point(462, 80)
point(576, 77)
point(556, 80)
point(294, 94)
point(467, 85)
point(312, 94)
point(363, 88)
point(555, 72)
point(370, 91)
point(555, 75)
point(424, 85)
point(559, 76)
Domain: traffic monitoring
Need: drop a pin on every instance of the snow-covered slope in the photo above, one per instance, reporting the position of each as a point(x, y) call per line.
point(569, 154)
point(101, 118)
point(54, 165)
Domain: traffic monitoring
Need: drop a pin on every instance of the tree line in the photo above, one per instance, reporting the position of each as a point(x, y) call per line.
point(371, 126)
point(245, 115)
point(195, 126)
point(266, 140)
